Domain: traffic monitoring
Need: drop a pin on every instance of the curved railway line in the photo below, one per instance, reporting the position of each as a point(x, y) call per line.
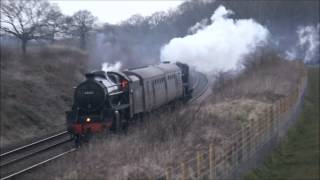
point(25, 158)
point(200, 87)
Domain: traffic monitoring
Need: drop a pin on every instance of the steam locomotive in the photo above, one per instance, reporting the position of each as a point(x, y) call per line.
point(109, 100)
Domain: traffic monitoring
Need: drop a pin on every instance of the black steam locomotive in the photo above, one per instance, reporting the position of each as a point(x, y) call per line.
point(108, 100)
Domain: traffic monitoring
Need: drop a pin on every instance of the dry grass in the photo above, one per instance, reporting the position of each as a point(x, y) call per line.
point(36, 90)
point(266, 77)
point(164, 138)
point(169, 136)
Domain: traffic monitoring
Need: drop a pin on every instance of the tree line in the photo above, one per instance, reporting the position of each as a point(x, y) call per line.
point(39, 20)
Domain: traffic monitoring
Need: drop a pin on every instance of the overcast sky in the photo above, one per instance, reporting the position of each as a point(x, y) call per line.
point(112, 11)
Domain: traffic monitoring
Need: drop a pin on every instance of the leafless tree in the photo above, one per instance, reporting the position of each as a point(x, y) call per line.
point(134, 20)
point(82, 23)
point(24, 19)
point(54, 25)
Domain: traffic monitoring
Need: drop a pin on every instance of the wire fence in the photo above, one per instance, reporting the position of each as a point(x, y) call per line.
point(249, 144)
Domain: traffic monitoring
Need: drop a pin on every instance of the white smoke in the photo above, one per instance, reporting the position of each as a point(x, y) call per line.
point(199, 25)
point(111, 67)
point(219, 45)
point(307, 46)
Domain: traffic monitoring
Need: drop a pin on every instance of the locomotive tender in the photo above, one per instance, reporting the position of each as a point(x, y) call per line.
point(109, 100)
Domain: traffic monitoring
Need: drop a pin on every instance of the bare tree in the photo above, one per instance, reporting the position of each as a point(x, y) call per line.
point(54, 25)
point(23, 19)
point(82, 23)
point(134, 20)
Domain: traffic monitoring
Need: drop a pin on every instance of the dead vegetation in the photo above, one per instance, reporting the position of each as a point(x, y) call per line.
point(265, 77)
point(36, 90)
point(165, 137)
point(169, 136)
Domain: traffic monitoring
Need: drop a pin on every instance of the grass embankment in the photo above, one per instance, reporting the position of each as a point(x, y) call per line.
point(36, 90)
point(169, 137)
point(298, 155)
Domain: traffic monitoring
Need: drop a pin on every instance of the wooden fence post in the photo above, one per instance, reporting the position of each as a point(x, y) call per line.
point(183, 171)
point(242, 144)
point(168, 173)
point(279, 108)
point(292, 99)
point(271, 125)
point(249, 142)
point(265, 126)
point(211, 156)
point(278, 117)
point(288, 102)
point(285, 104)
point(229, 158)
point(268, 123)
point(199, 159)
point(254, 136)
point(234, 159)
point(259, 131)
point(225, 159)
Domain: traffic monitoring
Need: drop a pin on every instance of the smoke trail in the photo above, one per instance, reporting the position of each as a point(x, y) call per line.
point(217, 46)
point(111, 67)
point(307, 46)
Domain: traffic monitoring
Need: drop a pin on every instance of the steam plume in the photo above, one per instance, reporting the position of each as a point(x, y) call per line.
point(217, 46)
point(111, 67)
point(307, 46)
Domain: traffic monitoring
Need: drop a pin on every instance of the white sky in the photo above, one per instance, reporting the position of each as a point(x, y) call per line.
point(112, 11)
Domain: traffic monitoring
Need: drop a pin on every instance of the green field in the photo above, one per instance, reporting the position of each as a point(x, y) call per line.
point(297, 157)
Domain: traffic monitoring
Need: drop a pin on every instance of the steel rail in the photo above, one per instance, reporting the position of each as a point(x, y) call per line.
point(34, 153)
point(31, 150)
point(32, 144)
point(204, 89)
point(38, 164)
point(197, 82)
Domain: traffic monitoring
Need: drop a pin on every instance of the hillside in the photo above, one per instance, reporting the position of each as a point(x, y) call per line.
point(169, 136)
point(36, 90)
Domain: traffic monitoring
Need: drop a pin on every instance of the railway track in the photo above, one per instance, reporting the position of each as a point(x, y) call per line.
point(30, 156)
point(200, 87)
point(25, 158)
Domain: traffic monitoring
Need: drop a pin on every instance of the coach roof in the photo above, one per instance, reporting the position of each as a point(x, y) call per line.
point(168, 68)
point(147, 72)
